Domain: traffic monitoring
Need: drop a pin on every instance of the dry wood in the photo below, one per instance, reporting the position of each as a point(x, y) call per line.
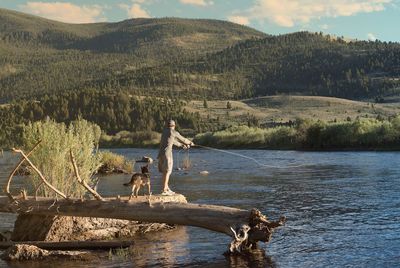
point(71, 245)
point(7, 188)
point(81, 181)
point(40, 173)
point(161, 209)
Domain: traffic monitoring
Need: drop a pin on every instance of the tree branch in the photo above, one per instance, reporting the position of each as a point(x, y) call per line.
point(7, 187)
point(40, 173)
point(81, 181)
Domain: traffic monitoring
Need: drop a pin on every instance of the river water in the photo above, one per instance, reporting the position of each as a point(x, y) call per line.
point(343, 209)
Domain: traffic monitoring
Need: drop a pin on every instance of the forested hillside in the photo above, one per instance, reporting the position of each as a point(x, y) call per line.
point(311, 64)
point(187, 59)
point(43, 56)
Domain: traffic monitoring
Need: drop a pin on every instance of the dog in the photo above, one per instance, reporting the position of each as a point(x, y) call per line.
point(138, 180)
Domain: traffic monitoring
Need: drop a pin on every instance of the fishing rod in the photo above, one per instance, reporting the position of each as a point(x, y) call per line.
point(247, 157)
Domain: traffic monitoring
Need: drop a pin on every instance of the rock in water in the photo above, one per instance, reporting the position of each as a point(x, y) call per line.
point(145, 159)
point(204, 172)
point(24, 252)
point(64, 228)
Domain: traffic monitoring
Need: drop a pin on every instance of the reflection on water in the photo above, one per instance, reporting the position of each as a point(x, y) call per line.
point(343, 209)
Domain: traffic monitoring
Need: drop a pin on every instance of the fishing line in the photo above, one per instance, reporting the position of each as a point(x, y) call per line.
point(247, 157)
point(178, 158)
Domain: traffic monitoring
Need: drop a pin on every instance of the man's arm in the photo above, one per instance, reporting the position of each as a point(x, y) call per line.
point(177, 143)
point(182, 139)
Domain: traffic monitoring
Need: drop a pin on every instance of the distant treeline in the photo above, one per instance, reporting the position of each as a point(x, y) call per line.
point(362, 134)
point(112, 112)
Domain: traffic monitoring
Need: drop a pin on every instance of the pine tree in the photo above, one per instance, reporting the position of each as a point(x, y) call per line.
point(205, 104)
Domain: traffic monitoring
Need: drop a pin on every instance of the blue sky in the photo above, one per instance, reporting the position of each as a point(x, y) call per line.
point(361, 19)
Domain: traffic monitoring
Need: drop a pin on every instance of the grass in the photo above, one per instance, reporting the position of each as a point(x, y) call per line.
point(119, 254)
point(283, 108)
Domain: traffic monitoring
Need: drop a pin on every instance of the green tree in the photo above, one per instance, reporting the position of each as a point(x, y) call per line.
point(205, 104)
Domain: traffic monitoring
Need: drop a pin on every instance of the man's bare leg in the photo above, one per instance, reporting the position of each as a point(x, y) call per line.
point(166, 180)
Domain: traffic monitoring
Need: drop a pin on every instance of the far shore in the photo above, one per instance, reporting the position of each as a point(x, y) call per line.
point(348, 149)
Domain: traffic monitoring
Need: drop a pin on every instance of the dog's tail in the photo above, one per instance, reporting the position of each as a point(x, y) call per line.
point(127, 184)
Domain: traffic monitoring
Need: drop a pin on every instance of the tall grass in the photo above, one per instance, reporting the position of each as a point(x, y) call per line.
point(52, 156)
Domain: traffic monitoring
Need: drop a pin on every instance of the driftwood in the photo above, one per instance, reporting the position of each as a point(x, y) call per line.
point(7, 187)
point(40, 174)
point(81, 181)
point(215, 218)
point(71, 245)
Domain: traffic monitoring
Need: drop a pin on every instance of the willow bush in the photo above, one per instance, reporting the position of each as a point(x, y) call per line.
point(52, 157)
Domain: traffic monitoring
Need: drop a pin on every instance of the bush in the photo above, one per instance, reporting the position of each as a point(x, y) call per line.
point(52, 156)
point(111, 162)
point(126, 138)
point(248, 137)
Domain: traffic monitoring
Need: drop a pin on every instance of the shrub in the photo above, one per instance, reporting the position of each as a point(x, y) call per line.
point(126, 138)
point(111, 161)
point(52, 156)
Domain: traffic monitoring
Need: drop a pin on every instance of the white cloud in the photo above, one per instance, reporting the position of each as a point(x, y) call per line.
point(64, 11)
point(135, 10)
point(288, 13)
point(371, 37)
point(239, 20)
point(324, 26)
point(197, 2)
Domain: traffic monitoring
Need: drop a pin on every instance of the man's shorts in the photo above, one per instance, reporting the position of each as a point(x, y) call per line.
point(165, 164)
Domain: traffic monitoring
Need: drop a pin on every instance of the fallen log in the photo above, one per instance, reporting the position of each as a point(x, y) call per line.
point(156, 208)
point(71, 245)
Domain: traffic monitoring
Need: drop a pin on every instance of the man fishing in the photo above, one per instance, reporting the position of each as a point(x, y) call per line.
point(169, 138)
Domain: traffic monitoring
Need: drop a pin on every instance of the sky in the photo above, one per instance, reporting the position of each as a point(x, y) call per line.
point(358, 19)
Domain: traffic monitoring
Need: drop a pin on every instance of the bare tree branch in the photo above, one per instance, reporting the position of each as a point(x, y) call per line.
point(81, 181)
point(40, 173)
point(7, 187)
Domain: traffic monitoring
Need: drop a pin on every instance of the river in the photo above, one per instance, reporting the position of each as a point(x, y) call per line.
point(343, 209)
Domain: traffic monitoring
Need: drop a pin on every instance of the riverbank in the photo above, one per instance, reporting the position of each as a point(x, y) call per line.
point(362, 134)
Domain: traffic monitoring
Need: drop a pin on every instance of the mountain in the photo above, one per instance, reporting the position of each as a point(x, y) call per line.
point(188, 58)
point(300, 63)
point(42, 56)
point(127, 36)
